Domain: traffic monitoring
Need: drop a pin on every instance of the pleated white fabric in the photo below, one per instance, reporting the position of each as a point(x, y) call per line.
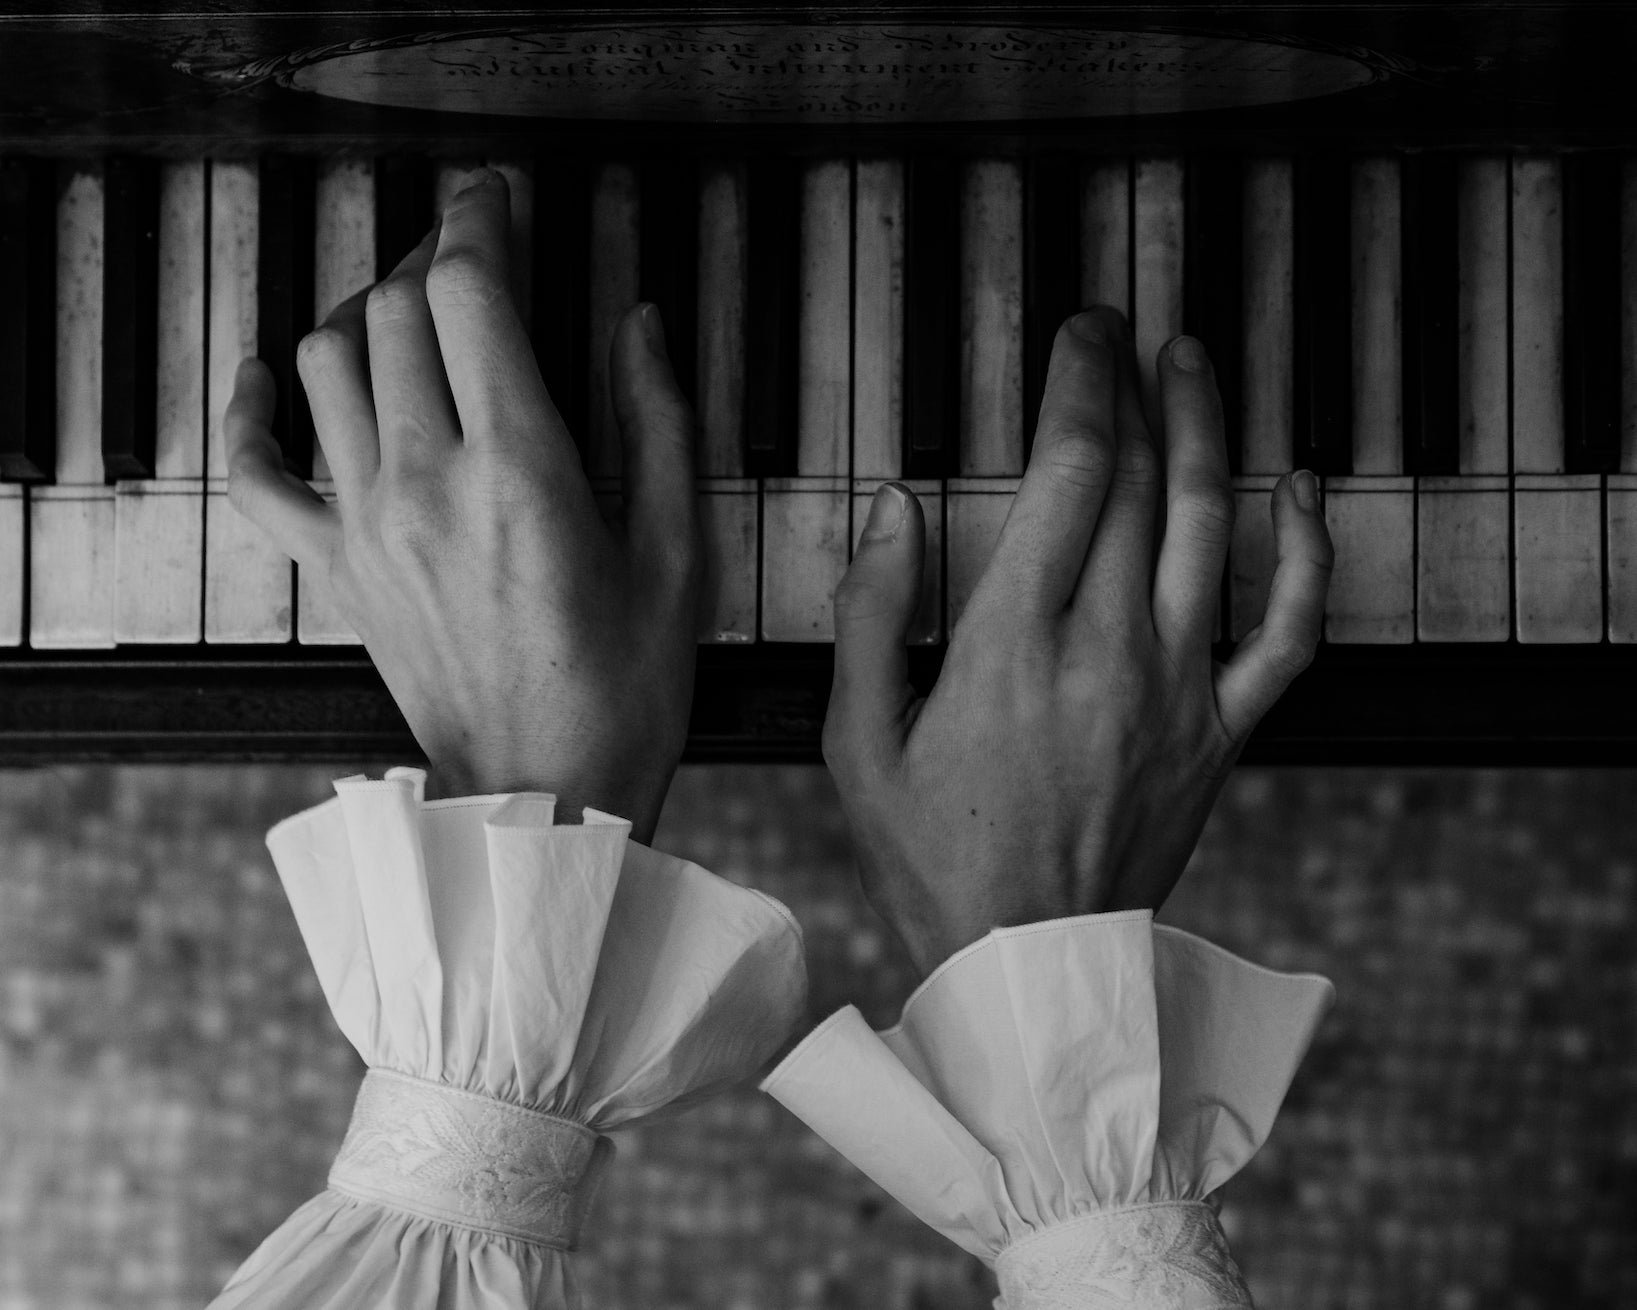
point(1047, 1081)
point(565, 969)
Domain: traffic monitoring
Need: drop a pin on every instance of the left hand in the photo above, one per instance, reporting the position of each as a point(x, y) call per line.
point(529, 645)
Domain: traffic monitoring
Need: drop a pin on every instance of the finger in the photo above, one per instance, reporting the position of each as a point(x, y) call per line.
point(875, 603)
point(333, 363)
point(414, 410)
point(1044, 540)
point(657, 443)
point(486, 352)
point(1116, 582)
point(1198, 498)
point(1282, 645)
point(259, 486)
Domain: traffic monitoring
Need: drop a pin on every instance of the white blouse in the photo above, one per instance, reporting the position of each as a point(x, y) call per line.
point(518, 989)
point(1059, 1099)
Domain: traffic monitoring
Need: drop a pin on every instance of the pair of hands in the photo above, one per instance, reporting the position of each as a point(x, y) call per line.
point(1078, 734)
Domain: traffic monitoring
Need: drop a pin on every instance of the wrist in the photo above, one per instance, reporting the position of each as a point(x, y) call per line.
point(638, 804)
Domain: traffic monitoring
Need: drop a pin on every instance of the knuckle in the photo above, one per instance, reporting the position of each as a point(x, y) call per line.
point(241, 486)
point(1287, 653)
point(461, 274)
point(860, 598)
point(1205, 512)
point(391, 300)
point(1082, 458)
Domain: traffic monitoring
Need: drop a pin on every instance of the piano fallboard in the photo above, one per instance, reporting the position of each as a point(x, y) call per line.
point(1470, 705)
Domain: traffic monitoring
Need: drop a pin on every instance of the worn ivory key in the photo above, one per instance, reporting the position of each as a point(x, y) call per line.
point(991, 410)
point(1557, 517)
point(71, 529)
point(13, 509)
point(343, 264)
point(1371, 515)
point(727, 500)
point(159, 523)
point(1268, 388)
point(805, 535)
point(878, 375)
point(247, 578)
point(1464, 557)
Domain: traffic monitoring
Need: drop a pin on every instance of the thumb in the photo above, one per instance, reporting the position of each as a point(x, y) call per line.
point(875, 603)
point(656, 447)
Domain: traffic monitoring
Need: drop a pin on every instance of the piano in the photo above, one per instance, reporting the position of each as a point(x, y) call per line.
point(1407, 236)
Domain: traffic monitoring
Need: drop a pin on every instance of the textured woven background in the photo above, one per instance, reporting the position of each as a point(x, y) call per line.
point(1462, 1137)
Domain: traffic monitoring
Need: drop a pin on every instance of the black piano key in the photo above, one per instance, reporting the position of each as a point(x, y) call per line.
point(130, 317)
point(932, 316)
point(1051, 271)
point(1591, 312)
point(403, 208)
point(1429, 231)
point(668, 262)
point(562, 288)
point(1323, 364)
point(1213, 279)
point(284, 298)
point(772, 315)
point(28, 320)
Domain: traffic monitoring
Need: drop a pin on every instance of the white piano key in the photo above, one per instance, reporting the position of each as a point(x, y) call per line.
point(1484, 345)
point(159, 523)
point(1105, 234)
point(13, 518)
point(319, 619)
point(805, 519)
point(991, 420)
point(615, 251)
point(1251, 553)
point(878, 320)
point(824, 405)
point(1622, 544)
point(519, 175)
point(1156, 271)
point(343, 265)
point(1558, 554)
point(729, 503)
point(723, 257)
point(1537, 316)
point(247, 578)
point(1372, 590)
point(71, 524)
point(1371, 515)
point(1464, 558)
point(1268, 380)
point(975, 510)
point(728, 523)
point(804, 553)
point(927, 627)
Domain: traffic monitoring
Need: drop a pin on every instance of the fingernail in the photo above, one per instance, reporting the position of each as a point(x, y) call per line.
point(886, 513)
point(1306, 487)
point(653, 329)
point(1188, 355)
point(1089, 327)
point(479, 177)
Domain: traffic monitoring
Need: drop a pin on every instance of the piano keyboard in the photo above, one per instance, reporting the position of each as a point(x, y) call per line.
point(1447, 341)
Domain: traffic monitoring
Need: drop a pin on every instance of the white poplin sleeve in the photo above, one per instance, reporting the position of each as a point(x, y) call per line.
point(518, 989)
point(1061, 1099)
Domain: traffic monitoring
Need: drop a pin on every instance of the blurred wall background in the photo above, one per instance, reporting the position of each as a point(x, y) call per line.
point(1462, 1137)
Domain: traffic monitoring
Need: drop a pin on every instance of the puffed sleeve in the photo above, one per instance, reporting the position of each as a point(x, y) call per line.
point(518, 989)
point(1061, 1100)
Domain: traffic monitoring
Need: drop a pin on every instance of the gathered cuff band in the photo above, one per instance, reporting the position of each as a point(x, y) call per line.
point(1168, 1253)
point(469, 1160)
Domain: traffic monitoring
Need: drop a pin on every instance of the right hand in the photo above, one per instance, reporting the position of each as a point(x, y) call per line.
point(1080, 730)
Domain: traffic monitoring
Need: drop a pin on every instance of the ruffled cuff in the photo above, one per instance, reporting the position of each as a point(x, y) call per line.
point(518, 989)
point(1060, 1099)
